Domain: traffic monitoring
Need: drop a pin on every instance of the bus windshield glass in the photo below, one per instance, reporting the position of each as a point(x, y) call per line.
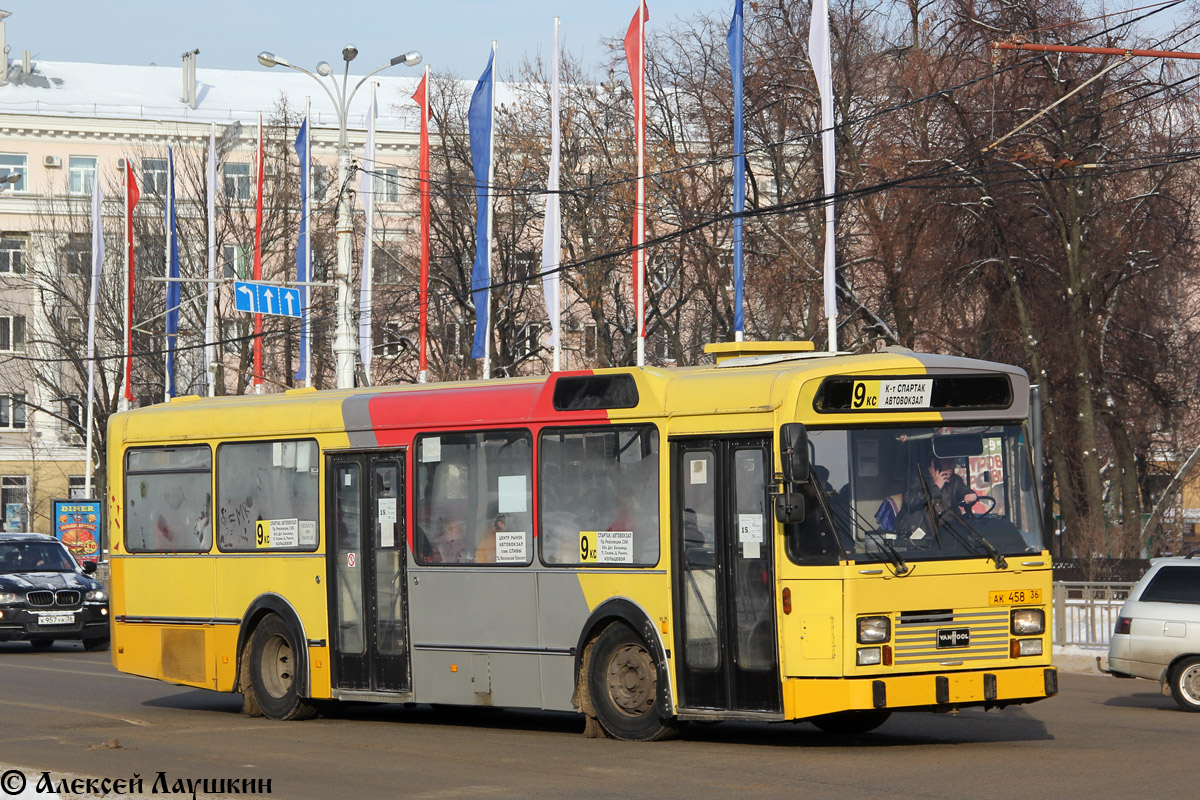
point(918, 493)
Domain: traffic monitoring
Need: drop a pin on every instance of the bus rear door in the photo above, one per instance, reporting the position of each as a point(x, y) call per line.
point(725, 630)
point(367, 551)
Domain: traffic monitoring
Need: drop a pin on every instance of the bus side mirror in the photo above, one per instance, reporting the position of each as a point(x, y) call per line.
point(789, 507)
point(793, 452)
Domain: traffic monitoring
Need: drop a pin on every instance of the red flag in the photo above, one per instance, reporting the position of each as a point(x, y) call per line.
point(131, 200)
point(258, 215)
point(635, 51)
point(422, 99)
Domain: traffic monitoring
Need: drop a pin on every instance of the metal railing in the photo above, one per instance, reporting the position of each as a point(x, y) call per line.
point(1085, 611)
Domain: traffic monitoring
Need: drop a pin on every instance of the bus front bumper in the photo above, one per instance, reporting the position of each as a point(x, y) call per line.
point(808, 697)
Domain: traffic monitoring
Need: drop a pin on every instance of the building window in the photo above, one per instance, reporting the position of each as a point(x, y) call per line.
point(529, 340)
point(76, 487)
point(82, 174)
point(78, 254)
point(72, 415)
point(591, 340)
point(14, 501)
point(387, 184)
point(322, 178)
point(11, 164)
point(154, 175)
point(454, 337)
point(233, 331)
point(14, 249)
point(529, 266)
point(12, 411)
point(12, 334)
point(76, 333)
point(237, 181)
point(386, 268)
point(233, 257)
point(392, 340)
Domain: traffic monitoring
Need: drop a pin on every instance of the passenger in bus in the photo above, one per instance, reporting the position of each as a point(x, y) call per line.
point(450, 546)
point(486, 552)
point(933, 489)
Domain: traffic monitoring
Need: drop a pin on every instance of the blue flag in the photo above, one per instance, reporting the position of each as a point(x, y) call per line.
point(172, 274)
point(479, 121)
point(734, 42)
point(302, 249)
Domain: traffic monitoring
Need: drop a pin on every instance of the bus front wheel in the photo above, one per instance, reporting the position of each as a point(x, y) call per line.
point(623, 687)
point(273, 665)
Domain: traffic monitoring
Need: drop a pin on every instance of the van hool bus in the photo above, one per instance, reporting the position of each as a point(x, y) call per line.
point(785, 535)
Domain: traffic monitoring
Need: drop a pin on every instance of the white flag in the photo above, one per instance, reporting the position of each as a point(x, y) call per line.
point(552, 229)
point(366, 343)
point(210, 305)
point(822, 61)
point(93, 298)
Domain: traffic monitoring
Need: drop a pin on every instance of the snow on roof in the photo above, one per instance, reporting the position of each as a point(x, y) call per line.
point(72, 89)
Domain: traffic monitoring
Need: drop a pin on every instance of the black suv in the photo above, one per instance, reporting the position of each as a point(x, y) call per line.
point(45, 595)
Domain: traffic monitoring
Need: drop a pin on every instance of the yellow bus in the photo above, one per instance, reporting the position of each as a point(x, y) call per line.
point(785, 535)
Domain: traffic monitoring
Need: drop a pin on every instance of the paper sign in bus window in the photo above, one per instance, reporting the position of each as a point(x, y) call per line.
point(308, 533)
point(387, 521)
point(614, 547)
point(431, 449)
point(510, 491)
point(699, 471)
point(510, 547)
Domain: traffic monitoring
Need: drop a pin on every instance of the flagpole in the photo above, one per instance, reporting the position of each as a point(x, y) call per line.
point(126, 242)
point(93, 293)
point(734, 41)
point(168, 208)
point(640, 202)
point(822, 58)
point(556, 321)
point(487, 340)
point(258, 215)
point(366, 299)
point(307, 332)
point(210, 308)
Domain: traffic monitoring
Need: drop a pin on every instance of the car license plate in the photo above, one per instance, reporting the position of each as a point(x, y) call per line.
point(954, 637)
point(56, 619)
point(1012, 597)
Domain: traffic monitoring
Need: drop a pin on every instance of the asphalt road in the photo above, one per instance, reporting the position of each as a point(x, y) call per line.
point(69, 712)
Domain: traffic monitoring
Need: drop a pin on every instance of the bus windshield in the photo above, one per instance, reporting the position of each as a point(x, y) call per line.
point(919, 493)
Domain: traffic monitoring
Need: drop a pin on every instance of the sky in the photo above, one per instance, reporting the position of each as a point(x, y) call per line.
point(454, 36)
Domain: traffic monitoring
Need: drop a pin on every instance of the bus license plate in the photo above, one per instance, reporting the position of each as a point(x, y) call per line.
point(954, 637)
point(1012, 597)
point(56, 619)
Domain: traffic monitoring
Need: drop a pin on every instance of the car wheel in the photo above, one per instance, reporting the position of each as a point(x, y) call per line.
point(273, 667)
point(851, 723)
point(1185, 684)
point(623, 687)
point(96, 645)
point(41, 644)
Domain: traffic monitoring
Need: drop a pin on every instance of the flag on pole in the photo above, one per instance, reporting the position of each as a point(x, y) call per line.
point(172, 275)
point(366, 340)
point(302, 270)
point(479, 121)
point(93, 300)
point(822, 61)
point(734, 41)
point(131, 200)
point(635, 57)
point(552, 228)
point(210, 304)
point(258, 218)
point(421, 97)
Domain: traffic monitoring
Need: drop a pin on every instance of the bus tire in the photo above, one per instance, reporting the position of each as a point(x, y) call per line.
point(850, 723)
point(622, 682)
point(273, 668)
point(1185, 684)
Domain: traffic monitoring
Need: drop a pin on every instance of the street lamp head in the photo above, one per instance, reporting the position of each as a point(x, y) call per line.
point(12, 177)
point(349, 53)
point(324, 70)
point(411, 58)
point(270, 60)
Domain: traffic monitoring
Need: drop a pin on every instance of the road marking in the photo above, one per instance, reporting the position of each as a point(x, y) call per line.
point(70, 671)
point(136, 722)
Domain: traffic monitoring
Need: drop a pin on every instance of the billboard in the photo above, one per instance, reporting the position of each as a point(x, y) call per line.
point(77, 525)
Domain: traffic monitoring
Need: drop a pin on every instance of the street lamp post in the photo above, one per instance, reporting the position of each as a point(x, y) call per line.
point(345, 341)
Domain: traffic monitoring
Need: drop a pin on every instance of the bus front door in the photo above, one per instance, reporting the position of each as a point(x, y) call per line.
point(725, 612)
point(367, 549)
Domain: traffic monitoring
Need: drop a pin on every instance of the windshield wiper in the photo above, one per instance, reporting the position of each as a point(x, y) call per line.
point(898, 563)
point(993, 553)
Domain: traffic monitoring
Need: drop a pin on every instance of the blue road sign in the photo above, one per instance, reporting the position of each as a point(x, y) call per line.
point(264, 298)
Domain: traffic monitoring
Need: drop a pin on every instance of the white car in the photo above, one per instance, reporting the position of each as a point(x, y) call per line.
point(1157, 635)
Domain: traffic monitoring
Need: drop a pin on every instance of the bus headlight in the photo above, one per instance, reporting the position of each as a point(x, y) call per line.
point(869, 655)
point(1028, 621)
point(874, 629)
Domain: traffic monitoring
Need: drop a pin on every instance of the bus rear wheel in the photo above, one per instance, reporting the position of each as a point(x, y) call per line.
point(273, 667)
point(623, 687)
